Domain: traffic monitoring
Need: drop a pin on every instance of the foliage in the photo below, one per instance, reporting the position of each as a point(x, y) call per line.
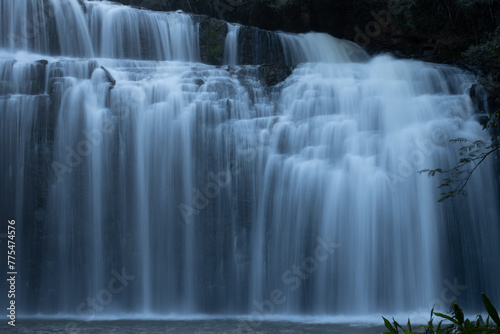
point(420, 14)
point(470, 3)
point(455, 322)
point(485, 53)
point(473, 153)
point(440, 16)
point(478, 54)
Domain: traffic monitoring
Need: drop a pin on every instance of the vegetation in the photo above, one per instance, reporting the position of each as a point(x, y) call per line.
point(473, 153)
point(461, 16)
point(454, 323)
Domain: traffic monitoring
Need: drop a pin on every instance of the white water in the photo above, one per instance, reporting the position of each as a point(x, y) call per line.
point(319, 47)
point(105, 30)
point(231, 45)
point(211, 189)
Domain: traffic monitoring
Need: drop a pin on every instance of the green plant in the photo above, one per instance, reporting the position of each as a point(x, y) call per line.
point(473, 154)
point(457, 322)
point(394, 329)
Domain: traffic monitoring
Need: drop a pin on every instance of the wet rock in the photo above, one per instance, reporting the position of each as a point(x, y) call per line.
point(55, 91)
point(212, 38)
point(274, 74)
point(479, 97)
point(42, 62)
point(82, 4)
point(93, 65)
point(39, 75)
point(257, 46)
point(482, 119)
point(56, 70)
point(491, 85)
point(6, 78)
point(109, 77)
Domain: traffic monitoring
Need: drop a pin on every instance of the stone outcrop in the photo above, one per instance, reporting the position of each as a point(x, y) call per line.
point(273, 74)
point(212, 38)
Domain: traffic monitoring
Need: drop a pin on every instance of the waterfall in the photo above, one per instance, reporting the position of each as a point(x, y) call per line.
point(317, 47)
point(121, 152)
point(231, 45)
point(104, 30)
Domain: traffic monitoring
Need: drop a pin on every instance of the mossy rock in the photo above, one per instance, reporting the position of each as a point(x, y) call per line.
point(212, 39)
point(274, 74)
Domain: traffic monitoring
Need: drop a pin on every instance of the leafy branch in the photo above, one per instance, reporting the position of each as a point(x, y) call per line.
point(473, 154)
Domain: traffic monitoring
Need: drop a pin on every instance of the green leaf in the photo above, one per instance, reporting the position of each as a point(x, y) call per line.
point(389, 326)
point(438, 329)
point(447, 317)
point(491, 309)
point(459, 314)
point(447, 329)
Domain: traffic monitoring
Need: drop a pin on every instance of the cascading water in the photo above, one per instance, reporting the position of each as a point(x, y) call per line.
point(215, 193)
point(231, 45)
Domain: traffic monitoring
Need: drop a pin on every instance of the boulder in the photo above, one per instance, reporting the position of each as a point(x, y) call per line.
point(274, 74)
point(109, 77)
point(212, 39)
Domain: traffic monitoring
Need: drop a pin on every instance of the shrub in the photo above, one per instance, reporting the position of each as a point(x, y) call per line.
point(457, 322)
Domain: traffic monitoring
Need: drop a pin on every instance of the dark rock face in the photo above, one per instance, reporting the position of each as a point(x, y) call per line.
point(109, 77)
point(6, 78)
point(32, 82)
point(492, 87)
point(212, 38)
point(42, 62)
point(82, 3)
point(37, 80)
point(478, 96)
point(257, 46)
point(272, 75)
point(56, 82)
